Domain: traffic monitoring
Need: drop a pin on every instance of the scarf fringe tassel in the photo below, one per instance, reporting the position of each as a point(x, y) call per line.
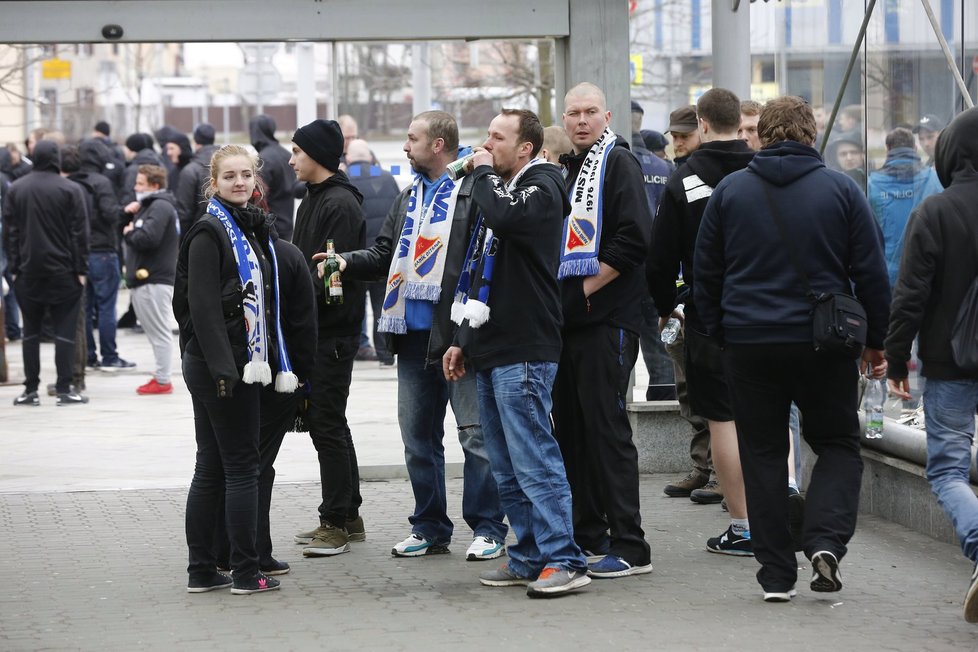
point(578, 267)
point(458, 312)
point(286, 382)
point(476, 312)
point(257, 371)
point(389, 324)
point(422, 291)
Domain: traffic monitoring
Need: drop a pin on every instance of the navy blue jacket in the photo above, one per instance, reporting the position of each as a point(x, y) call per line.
point(747, 289)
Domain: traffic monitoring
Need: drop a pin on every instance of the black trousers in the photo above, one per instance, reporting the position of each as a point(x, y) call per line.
point(595, 439)
point(277, 418)
point(61, 297)
point(764, 379)
point(330, 432)
point(227, 466)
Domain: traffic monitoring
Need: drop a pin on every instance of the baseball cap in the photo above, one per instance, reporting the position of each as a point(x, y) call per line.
point(929, 122)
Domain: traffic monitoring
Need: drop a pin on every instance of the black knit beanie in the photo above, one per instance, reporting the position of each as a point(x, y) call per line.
point(135, 143)
point(322, 140)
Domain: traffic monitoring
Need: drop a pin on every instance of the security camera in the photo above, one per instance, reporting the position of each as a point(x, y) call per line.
point(112, 32)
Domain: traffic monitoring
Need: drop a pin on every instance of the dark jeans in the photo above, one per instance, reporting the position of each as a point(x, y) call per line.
point(422, 398)
point(330, 432)
point(277, 418)
point(60, 296)
point(595, 439)
point(102, 291)
point(764, 379)
point(376, 293)
point(227, 432)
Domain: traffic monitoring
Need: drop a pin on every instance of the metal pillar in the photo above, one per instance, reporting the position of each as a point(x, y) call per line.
point(731, 46)
point(420, 78)
point(305, 85)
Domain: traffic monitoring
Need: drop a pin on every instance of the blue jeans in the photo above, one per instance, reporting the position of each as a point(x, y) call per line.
point(949, 417)
point(514, 401)
point(102, 290)
point(423, 395)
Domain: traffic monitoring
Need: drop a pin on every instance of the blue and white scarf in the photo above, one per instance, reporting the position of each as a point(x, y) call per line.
point(418, 263)
point(480, 259)
point(582, 228)
point(257, 370)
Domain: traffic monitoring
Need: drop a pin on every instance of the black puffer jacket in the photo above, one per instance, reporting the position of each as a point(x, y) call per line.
point(374, 263)
point(940, 258)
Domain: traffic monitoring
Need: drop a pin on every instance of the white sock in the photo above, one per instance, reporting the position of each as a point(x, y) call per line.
point(739, 525)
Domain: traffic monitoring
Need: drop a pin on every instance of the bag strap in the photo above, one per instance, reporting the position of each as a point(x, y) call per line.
point(787, 242)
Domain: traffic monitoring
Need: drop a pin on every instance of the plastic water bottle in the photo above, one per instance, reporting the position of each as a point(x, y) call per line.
point(873, 402)
point(671, 330)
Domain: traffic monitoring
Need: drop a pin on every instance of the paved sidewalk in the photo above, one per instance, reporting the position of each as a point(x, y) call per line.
point(106, 571)
point(88, 566)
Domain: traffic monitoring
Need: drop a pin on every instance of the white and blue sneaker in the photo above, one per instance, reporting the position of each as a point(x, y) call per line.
point(417, 546)
point(483, 548)
point(611, 566)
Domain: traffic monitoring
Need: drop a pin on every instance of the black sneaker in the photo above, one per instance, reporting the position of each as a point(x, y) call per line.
point(117, 365)
point(28, 398)
point(796, 517)
point(211, 582)
point(93, 364)
point(731, 543)
point(71, 398)
point(258, 583)
point(274, 567)
point(825, 572)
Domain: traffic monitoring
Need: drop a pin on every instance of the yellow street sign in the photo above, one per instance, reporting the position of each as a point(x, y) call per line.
point(635, 69)
point(56, 69)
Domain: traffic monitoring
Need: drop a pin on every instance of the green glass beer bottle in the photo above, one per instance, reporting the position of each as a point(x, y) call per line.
point(331, 277)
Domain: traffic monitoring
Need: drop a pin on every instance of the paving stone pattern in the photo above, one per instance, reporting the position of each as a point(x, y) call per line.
point(105, 570)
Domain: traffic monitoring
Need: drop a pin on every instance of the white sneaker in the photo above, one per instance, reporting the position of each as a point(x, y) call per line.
point(483, 548)
point(416, 546)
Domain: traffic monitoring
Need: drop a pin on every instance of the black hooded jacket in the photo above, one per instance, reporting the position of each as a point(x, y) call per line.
point(278, 175)
point(191, 203)
point(624, 246)
point(186, 155)
point(152, 244)
point(748, 290)
point(146, 156)
point(331, 210)
point(940, 259)
point(525, 310)
point(678, 219)
point(107, 215)
point(45, 226)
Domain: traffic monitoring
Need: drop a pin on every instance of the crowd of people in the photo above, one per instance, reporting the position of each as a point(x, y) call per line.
point(517, 281)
